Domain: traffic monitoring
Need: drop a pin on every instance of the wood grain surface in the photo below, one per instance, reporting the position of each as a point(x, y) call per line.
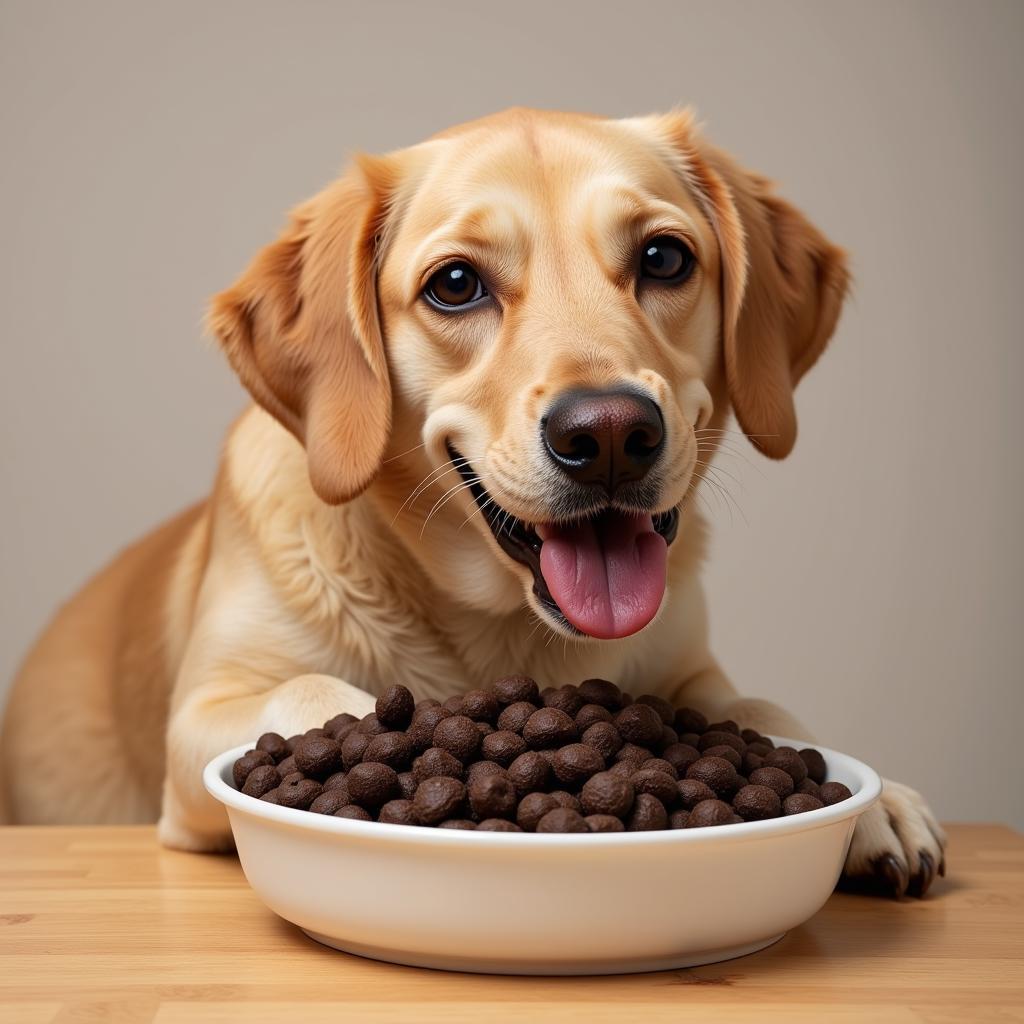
point(101, 924)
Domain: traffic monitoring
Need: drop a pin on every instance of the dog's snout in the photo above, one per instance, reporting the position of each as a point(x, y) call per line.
point(604, 437)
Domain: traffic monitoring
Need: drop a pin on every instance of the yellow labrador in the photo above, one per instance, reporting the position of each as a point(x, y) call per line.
point(488, 372)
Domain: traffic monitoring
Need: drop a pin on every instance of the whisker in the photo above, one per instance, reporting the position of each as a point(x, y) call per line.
point(445, 498)
point(402, 454)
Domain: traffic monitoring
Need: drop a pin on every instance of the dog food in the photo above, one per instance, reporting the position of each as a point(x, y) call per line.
point(516, 758)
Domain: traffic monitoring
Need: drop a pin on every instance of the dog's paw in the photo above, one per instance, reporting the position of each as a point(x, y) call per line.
point(176, 836)
point(898, 847)
point(307, 701)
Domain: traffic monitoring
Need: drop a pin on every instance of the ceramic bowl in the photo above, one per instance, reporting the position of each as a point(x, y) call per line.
point(522, 903)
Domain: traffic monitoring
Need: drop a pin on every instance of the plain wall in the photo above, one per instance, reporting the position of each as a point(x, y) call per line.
point(872, 582)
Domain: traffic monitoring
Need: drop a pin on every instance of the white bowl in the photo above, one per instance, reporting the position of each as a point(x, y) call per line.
point(516, 903)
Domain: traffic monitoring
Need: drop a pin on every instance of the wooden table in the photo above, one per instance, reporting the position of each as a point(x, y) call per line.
point(101, 924)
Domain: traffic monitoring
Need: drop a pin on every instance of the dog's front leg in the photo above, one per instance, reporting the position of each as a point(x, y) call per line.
point(213, 718)
point(898, 846)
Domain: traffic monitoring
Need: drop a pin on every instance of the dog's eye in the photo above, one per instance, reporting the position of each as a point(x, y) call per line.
point(666, 259)
point(454, 286)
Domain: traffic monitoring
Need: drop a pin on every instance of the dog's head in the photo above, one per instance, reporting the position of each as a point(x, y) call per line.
point(533, 326)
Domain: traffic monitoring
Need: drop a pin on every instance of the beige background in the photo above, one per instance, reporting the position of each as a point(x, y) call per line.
point(872, 582)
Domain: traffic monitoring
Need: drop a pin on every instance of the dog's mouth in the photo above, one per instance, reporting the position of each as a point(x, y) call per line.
point(603, 575)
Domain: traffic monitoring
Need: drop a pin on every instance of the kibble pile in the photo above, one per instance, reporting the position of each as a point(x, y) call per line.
point(515, 758)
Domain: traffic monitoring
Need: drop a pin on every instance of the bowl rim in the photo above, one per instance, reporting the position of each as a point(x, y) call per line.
point(217, 773)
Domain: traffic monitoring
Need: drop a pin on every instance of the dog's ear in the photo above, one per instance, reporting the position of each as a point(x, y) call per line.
point(783, 285)
point(302, 331)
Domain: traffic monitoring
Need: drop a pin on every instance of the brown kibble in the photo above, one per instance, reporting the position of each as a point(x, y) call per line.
point(564, 799)
point(668, 737)
point(773, 778)
point(680, 756)
point(813, 761)
point(648, 814)
point(318, 756)
point(515, 716)
point(562, 819)
point(532, 808)
point(710, 812)
point(800, 803)
point(330, 801)
point(729, 754)
point(397, 812)
point(502, 747)
point(424, 722)
point(606, 793)
point(678, 818)
point(692, 792)
point(529, 772)
point(453, 705)
point(335, 781)
point(833, 793)
point(298, 793)
point(718, 738)
point(789, 761)
point(727, 726)
point(659, 764)
point(515, 690)
point(246, 763)
point(631, 752)
point(639, 724)
point(689, 720)
point(438, 799)
point(589, 714)
point(434, 763)
point(604, 823)
point(657, 784)
point(809, 787)
point(565, 698)
point(481, 706)
point(353, 811)
point(549, 727)
point(340, 726)
point(601, 691)
point(391, 748)
point(603, 737)
point(352, 748)
point(574, 763)
point(371, 784)
point(459, 736)
point(716, 773)
point(481, 769)
point(462, 824)
point(492, 796)
point(287, 766)
point(275, 745)
point(370, 725)
point(751, 762)
point(665, 711)
point(395, 707)
point(498, 825)
point(755, 803)
point(270, 796)
point(260, 780)
point(407, 783)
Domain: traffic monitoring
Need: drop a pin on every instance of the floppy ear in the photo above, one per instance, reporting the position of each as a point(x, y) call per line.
point(301, 329)
point(783, 285)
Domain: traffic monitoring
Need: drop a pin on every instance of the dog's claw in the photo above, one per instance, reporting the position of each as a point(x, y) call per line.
point(921, 882)
point(892, 874)
point(942, 868)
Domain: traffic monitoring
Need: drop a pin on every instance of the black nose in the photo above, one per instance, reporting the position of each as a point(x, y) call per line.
point(604, 437)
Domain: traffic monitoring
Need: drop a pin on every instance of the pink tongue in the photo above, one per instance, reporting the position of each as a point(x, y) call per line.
point(606, 575)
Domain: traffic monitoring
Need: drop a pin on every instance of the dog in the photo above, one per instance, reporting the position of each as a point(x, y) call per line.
point(489, 372)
